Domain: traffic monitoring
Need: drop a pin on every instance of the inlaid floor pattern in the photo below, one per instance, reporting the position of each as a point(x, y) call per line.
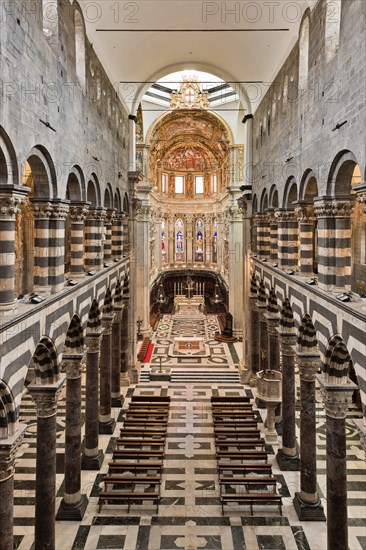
point(190, 516)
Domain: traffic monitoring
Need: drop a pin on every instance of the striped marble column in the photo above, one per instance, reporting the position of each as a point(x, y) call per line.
point(126, 235)
point(116, 347)
point(287, 239)
point(94, 240)
point(77, 213)
point(45, 398)
point(11, 437)
point(306, 217)
point(107, 246)
point(92, 456)
point(263, 239)
point(262, 334)
point(337, 389)
point(254, 329)
point(307, 502)
point(41, 212)
point(117, 236)
point(273, 238)
point(254, 228)
point(125, 332)
point(272, 317)
point(8, 211)
point(287, 456)
point(106, 423)
point(73, 504)
point(56, 246)
point(334, 243)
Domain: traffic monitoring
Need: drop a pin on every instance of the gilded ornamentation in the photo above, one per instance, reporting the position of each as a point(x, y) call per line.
point(189, 96)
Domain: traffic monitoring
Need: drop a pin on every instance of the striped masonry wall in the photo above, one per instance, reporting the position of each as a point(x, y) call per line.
point(77, 215)
point(287, 239)
point(306, 219)
point(107, 247)
point(273, 239)
point(7, 250)
point(125, 235)
point(93, 240)
point(41, 213)
point(334, 243)
point(263, 242)
point(56, 247)
point(117, 236)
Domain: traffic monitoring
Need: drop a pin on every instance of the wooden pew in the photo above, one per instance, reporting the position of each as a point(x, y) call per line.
point(245, 468)
point(137, 467)
point(240, 444)
point(252, 499)
point(242, 455)
point(124, 497)
point(240, 434)
point(132, 454)
point(235, 399)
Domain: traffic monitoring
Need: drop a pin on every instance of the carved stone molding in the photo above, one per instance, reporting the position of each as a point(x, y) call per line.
point(107, 321)
point(41, 210)
point(96, 214)
point(333, 209)
point(59, 211)
point(287, 342)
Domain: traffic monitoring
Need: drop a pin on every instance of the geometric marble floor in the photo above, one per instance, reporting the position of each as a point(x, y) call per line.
point(190, 516)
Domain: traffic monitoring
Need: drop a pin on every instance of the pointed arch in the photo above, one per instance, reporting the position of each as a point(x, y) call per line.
point(9, 173)
point(272, 306)
point(107, 309)
point(74, 342)
point(287, 321)
point(94, 318)
point(306, 340)
point(337, 361)
point(8, 414)
point(44, 363)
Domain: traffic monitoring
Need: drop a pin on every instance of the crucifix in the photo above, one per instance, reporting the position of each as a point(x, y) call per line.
point(189, 287)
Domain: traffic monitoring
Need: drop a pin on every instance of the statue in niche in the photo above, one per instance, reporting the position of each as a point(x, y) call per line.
point(189, 186)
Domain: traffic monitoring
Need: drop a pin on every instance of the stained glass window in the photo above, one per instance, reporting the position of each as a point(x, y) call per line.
point(179, 240)
point(163, 241)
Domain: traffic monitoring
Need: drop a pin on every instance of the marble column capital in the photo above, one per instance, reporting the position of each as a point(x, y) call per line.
point(72, 365)
point(107, 321)
point(109, 217)
point(97, 214)
point(118, 308)
point(8, 449)
point(287, 341)
point(333, 208)
point(308, 366)
point(272, 322)
point(59, 210)
point(46, 396)
point(92, 341)
point(78, 213)
point(336, 397)
point(305, 214)
point(283, 216)
point(9, 205)
point(41, 210)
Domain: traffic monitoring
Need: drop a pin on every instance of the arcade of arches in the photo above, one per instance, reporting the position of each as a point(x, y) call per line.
point(182, 284)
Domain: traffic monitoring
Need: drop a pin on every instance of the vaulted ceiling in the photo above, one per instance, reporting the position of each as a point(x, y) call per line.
point(143, 40)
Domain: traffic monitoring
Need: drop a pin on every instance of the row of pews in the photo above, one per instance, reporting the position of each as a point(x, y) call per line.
point(245, 475)
point(135, 471)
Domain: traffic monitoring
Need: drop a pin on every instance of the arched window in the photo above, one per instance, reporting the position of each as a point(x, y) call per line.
point(304, 54)
point(199, 240)
point(179, 241)
point(50, 20)
point(163, 242)
point(80, 49)
point(332, 28)
point(214, 241)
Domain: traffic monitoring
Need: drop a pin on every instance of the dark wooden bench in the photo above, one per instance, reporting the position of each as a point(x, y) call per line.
point(124, 497)
point(240, 434)
point(131, 480)
point(144, 422)
point(138, 444)
point(136, 432)
point(252, 499)
point(243, 455)
point(247, 481)
point(233, 416)
point(153, 399)
point(240, 444)
point(244, 468)
point(224, 409)
point(235, 423)
point(235, 399)
point(137, 454)
point(239, 431)
point(139, 415)
point(138, 467)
